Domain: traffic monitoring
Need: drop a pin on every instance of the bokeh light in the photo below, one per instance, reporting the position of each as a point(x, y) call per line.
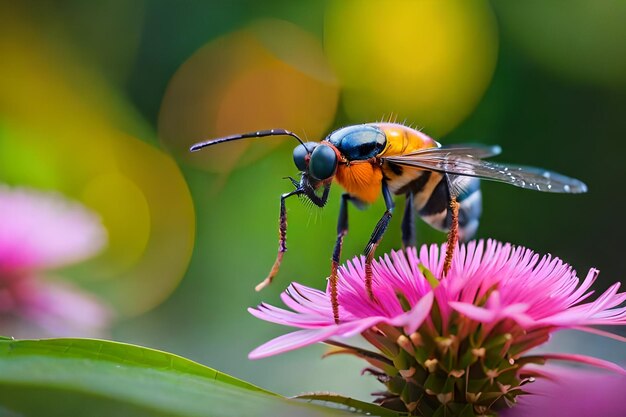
point(270, 74)
point(63, 127)
point(428, 62)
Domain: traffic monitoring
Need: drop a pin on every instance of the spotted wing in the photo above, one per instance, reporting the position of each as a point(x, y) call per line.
point(466, 160)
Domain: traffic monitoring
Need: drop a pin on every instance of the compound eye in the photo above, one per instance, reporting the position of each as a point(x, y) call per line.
point(300, 152)
point(323, 163)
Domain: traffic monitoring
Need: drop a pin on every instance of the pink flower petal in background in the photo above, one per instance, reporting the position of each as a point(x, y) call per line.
point(40, 231)
point(43, 230)
point(55, 310)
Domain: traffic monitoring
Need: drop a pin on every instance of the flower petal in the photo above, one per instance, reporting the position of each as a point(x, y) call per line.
point(602, 333)
point(414, 318)
point(291, 341)
point(45, 230)
point(61, 310)
point(473, 312)
point(587, 360)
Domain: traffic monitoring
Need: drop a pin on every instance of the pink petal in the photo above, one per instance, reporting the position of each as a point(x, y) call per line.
point(60, 310)
point(588, 360)
point(44, 230)
point(602, 333)
point(291, 341)
point(414, 318)
point(477, 313)
point(289, 318)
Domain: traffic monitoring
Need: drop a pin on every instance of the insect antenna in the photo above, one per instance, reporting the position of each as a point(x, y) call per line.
point(257, 134)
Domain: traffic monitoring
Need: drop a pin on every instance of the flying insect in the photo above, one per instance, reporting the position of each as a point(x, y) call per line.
point(441, 184)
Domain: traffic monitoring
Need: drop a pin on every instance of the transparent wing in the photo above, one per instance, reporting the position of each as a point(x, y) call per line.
point(470, 149)
point(465, 160)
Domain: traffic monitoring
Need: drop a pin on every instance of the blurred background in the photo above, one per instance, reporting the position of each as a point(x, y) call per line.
point(100, 101)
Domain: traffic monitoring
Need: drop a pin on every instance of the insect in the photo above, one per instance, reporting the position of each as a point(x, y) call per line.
point(441, 184)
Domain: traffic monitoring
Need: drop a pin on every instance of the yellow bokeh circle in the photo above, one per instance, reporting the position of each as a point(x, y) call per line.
point(427, 61)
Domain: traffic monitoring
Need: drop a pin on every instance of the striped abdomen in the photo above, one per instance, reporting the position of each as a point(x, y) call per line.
point(431, 197)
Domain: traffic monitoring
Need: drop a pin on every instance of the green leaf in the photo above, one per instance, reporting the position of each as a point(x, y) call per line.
point(351, 403)
point(94, 378)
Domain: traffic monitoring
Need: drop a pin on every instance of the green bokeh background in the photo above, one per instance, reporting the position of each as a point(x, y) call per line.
point(557, 99)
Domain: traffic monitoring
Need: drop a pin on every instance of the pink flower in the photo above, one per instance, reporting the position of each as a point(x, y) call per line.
point(41, 231)
point(453, 342)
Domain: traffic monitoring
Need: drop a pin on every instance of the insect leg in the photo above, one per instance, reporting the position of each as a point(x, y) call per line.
point(282, 241)
point(408, 222)
point(342, 230)
point(376, 237)
point(453, 234)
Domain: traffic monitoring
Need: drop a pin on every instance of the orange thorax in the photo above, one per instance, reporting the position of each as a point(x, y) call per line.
point(362, 179)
